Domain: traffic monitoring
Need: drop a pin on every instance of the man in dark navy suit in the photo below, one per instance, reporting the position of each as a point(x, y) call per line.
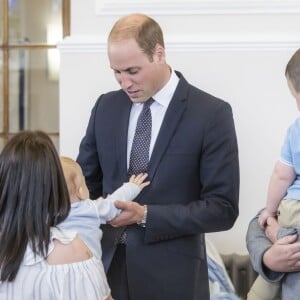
point(155, 249)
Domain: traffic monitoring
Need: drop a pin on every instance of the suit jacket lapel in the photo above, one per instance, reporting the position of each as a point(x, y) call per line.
point(171, 120)
point(121, 135)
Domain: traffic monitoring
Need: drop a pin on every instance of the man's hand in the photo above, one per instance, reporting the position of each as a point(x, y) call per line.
point(132, 212)
point(283, 255)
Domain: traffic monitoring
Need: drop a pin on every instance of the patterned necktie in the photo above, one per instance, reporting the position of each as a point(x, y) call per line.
point(139, 156)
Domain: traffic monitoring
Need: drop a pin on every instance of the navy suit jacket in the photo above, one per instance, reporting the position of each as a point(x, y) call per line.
point(194, 174)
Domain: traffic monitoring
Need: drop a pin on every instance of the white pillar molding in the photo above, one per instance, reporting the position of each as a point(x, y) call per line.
point(97, 44)
point(205, 7)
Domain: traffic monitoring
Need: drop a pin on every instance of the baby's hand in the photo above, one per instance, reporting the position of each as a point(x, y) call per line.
point(139, 180)
point(263, 217)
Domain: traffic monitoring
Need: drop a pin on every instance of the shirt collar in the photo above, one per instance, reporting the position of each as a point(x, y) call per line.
point(165, 95)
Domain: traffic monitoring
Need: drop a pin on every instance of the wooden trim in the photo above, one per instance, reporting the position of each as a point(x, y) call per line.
point(66, 17)
point(27, 46)
point(5, 63)
point(5, 91)
point(11, 134)
point(5, 22)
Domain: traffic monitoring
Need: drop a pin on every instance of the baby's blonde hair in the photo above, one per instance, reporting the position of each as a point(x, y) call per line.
point(74, 177)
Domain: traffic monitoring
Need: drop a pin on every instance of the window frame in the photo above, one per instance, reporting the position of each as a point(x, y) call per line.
point(6, 47)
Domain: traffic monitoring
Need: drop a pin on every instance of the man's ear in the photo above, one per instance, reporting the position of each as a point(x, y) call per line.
point(159, 53)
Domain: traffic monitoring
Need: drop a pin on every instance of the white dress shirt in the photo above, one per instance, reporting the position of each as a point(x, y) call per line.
point(158, 111)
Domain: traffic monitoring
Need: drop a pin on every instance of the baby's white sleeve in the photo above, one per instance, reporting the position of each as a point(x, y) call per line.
point(105, 206)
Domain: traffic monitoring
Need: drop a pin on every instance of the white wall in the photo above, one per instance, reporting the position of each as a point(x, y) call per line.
point(236, 50)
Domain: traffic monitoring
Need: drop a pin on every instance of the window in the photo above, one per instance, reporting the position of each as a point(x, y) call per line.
point(29, 63)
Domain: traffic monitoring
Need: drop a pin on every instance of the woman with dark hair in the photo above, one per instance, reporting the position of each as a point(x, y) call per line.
point(47, 249)
point(33, 198)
